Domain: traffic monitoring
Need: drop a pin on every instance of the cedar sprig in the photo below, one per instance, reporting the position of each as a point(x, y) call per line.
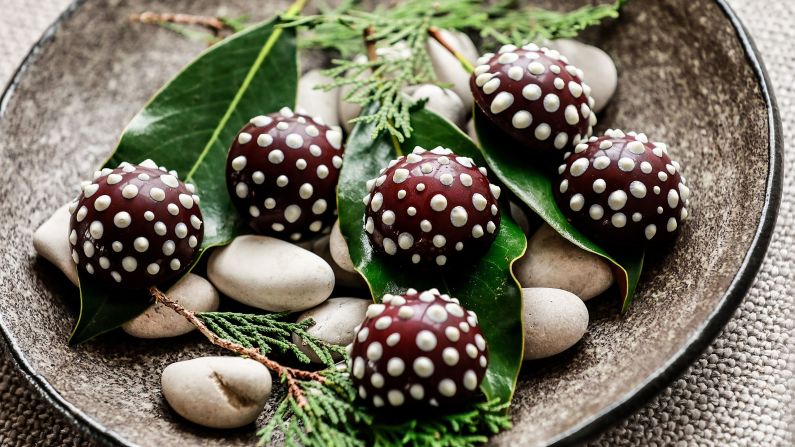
point(381, 80)
point(268, 332)
point(329, 418)
point(333, 416)
point(510, 24)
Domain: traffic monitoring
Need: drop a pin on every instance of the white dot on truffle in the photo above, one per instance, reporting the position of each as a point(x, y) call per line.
point(637, 189)
point(502, 101)
point(157, 194)
point(619, 220)
point(596, 212)
point(617, 199)
point(238, 163)
point(129, 264)
point(626, 164)
point(423, 367)
point(122, 219)
point(294, 141)
point(579, 167)
point(458, 216)
point(576, 202)
point(673, 198)
point(244, 137)
point(601, 162)
point(438, 203)
point(292, 213)
point(542, 131)
point(102, 203)
point(551, 102)
point(531, 92)
point(571, 115)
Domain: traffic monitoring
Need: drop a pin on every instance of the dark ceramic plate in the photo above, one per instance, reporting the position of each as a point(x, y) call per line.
point(689, 75)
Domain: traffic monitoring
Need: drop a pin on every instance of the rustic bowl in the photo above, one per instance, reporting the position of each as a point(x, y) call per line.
point(689, 75)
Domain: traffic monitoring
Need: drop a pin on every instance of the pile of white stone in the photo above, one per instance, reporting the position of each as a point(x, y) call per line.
point(277, 276)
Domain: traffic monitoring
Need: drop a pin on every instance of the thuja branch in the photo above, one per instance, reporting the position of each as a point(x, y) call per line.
point(291, 376)
point(268, 332)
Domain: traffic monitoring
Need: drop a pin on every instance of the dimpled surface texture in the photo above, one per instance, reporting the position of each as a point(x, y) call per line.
point(282, 172)
point(432, 208)
point(418, 350)
point(135, 226)
point(535, 96)
point(623, 190)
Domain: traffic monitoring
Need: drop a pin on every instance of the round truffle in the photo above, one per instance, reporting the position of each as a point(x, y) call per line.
point(432, 208)
point(535, 96)
point(135, 226)
point(418, 350)
point(623, 190)
point(282, 172)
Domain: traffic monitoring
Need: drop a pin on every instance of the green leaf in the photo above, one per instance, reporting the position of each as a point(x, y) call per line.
point(188, 126)
point(487, 286)
point(190, 123)
point(533, 186)
point(104, 310)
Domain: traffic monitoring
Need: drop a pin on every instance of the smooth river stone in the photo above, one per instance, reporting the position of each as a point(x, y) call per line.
point(270, 274)
point(217, 392)
point(51, 242)
point(339, 249)
point(598, 68)
point(441, 101)
point(318, 102)
point(322, 247)
point(158, 321)
point(552, 261)
point(335, 321)
point(448, 69)
point(554, 321)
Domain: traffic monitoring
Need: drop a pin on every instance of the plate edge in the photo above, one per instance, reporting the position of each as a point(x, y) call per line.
point(591, 427)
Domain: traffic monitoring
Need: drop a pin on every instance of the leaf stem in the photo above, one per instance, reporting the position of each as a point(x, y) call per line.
point(290, 375)
point(214, 24)
point(436, 34)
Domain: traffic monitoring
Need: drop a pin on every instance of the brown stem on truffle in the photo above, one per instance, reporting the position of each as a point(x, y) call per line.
point(214, 24)
point(436, 35)
point(290, 375)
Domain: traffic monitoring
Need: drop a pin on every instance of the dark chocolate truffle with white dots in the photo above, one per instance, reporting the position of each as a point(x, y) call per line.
point(432, 208)
point(534, 95)
point(135, 226)
point(623, 190)
point(282, 172)
point(418, 350)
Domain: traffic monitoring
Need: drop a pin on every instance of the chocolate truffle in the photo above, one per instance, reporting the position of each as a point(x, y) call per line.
point(418, 350)
point(535, 96)
point(282, 172)
point(623, 190)
point(432, 208)
point(135, 226)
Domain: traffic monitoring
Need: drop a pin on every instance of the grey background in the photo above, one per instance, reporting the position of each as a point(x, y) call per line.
point(739, 392)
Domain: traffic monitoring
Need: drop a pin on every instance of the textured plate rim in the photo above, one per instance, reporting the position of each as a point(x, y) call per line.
point(589, 427)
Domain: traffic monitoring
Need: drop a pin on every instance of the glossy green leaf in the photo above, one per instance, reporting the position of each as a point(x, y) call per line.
point(487, 286)
point(188, 126)
point(533, 186)
point(102, 310)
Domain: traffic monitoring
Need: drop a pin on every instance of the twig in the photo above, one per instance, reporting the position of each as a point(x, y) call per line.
point(436, 34)
point(153, 18)
point(369, 43)
point(290, 375)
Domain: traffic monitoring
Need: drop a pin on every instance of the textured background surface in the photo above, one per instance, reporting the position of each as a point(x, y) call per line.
point(738, 392)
